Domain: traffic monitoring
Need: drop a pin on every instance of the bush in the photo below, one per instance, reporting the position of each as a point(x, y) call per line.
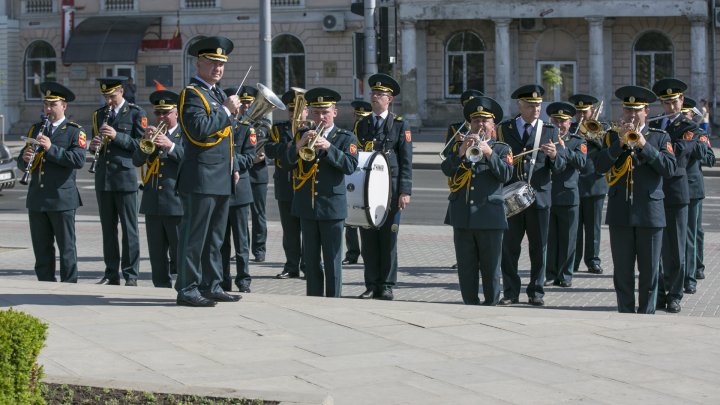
point(22, 336)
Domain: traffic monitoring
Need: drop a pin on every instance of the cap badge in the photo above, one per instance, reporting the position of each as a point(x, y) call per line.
point(245, 95)
point(561, 112)
point(103, 86)
point(669, 91)
point(534, 94)
point(48, 93)
point(480, 109)
point(581, 104)
point(219, 51)
point(631, 99)
point(162, 102)
point(378, 84)
point(320, 99)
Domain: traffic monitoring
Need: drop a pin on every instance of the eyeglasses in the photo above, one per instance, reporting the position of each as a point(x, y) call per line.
point(379, 94)
point(162, 112)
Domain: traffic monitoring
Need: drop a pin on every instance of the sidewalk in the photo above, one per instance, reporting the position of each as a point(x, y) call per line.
point(277, 344)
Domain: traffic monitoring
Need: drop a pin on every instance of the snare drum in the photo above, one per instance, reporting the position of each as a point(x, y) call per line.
point(518, 196)
point(369, 191)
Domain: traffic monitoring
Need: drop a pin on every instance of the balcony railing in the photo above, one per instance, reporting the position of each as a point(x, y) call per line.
point(37, 6)
point(287, 3)
point(195, 4)
point(119, 5)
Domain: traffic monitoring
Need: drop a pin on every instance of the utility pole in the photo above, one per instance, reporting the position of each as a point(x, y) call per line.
point(266, 46)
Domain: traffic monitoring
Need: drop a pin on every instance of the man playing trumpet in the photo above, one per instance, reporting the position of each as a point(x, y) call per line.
point(476, 210)
point(160, 152)
point(636, 158)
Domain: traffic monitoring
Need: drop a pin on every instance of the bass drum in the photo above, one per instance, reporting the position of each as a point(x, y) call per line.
point(369, 191)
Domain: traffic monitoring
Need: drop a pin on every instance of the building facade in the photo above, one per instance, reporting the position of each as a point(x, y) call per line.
point(440, 49)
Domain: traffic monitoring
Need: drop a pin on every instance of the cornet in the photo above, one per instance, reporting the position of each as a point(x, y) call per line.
point(473, 153)
point(307, 152)
point(631, 137)
point(147, 145)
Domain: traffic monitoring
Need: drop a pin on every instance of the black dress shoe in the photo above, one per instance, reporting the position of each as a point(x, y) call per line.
point(565, 284)
point(386, 295)
point(194, 301)
point(367, 294)
point(454, 266)
point(549, 282)
point(673, 306)
point(508, 301)
point(244, 289)
point(221, 296)
point(107, 281)
point(259, 259)
point(285, 275)
point(348, 261)
point(595, 269)
point(690, 290)
point(131, 283)
point(699, 275)
point(536, 301)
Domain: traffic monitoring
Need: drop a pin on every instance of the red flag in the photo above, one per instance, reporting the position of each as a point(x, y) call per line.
point(158, 85)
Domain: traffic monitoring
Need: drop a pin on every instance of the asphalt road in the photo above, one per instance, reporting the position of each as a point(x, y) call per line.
point(427, 207)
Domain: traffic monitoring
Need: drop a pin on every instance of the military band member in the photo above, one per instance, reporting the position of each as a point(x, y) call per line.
point(636, 158)
point(244, 143)
point(280, 140)
point(352, 239)
point(536, 168)
point(258, 178)
point(384, 131)
point(53, 196)
point(322, 161)
point(592, 188)
point(476, 209)
point(677, 197)
point(117, 128)
point(565, 199)
point(160, 201)
point(207, 176)
point(458, 129)
point(696, 193)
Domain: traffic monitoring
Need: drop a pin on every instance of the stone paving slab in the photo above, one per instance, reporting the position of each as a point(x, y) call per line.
point(302, 350)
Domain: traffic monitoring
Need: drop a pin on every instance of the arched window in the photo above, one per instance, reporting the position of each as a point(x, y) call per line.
point(189, 62)
point(653, 58)
point(40, 62)
point(288, 63)
point(464, 64)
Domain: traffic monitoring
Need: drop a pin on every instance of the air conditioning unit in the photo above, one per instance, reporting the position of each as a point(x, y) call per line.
point(334, 22)
point(531, 24)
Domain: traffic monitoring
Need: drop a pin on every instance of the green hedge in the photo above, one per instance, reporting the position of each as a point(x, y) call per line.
point(22, 336)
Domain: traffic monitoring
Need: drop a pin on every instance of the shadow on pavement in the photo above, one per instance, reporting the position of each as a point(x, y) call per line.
point(10, 300)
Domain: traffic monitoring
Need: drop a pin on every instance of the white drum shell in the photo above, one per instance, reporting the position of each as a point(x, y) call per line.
point(368, 191)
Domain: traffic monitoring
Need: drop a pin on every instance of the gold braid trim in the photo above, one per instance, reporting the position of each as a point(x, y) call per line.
point(460, 179)
point(153, 169)
point(303, 176)
point(222, 134)
point(369, 146)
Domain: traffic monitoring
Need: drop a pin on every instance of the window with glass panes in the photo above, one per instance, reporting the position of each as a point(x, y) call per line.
point(464, 64)
point(40, 66)
point(288, 63)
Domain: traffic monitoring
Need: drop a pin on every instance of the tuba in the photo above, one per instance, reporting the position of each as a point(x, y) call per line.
point(265, 102)
point(307, 152)
point(147, 145)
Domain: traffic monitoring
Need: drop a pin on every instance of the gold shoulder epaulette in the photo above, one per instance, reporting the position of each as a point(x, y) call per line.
point(398, 118)
point(74, 124)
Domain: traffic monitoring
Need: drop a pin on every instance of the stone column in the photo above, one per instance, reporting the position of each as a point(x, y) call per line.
point(698, 58)
point(502, 63)
point(408, 78)
point(596, 57)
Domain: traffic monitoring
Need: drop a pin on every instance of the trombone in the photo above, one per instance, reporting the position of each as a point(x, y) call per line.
point(147, 145)
point(592, 129)
point(452, 140)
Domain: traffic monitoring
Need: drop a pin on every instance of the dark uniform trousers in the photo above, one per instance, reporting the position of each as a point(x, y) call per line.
point(477, 215)
point(593, 188)
point(162, 208)
point(53, 198)
point(259, 183)
point(205, 185)
point(564, 212)
point(116, 191)
point(379, 246)
point(245, 140)
point(352, 243)
point(322, 207)
point(694, 240)
point(636, 218)
point(535, 219)
point(280, 138)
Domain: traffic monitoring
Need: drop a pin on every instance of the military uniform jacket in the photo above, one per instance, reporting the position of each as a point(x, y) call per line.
point(696, 182)
point(159, 196)
point(323, 197)
point(207, 165)
point(395, 140)
point(52, 186)
point(592, 183)
point(508, 132)
point(565, 187)
point(676, 187)
point(259, 171)
point(650, 165)
point(280, 138)
point(244, 139)
point(479, 204)
point(115, 170)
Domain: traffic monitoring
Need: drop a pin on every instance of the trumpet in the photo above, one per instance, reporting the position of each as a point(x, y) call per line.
point(473, 153)
point(96, 156)
point(307, 152)
point(631, 137)
point(452, 140)
point(147, 145)
point(35, 150)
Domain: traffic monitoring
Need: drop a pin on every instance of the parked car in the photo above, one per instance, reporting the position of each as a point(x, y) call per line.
point(7, 168)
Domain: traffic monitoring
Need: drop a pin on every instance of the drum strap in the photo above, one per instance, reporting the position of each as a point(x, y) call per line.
point(536, 145)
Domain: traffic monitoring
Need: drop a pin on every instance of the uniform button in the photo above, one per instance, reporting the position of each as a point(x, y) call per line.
point(43, 160)
point(473, 176)
point(107, 162)
point(162, 163)
point(316, 182)
point(316, 193)
point(160, 175)
point(472, 202)
point(472, 188)
point(42, 185)
point(159, 187)
point(42, 172)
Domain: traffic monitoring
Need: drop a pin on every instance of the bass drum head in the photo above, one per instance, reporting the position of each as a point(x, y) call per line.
point(377, 189)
